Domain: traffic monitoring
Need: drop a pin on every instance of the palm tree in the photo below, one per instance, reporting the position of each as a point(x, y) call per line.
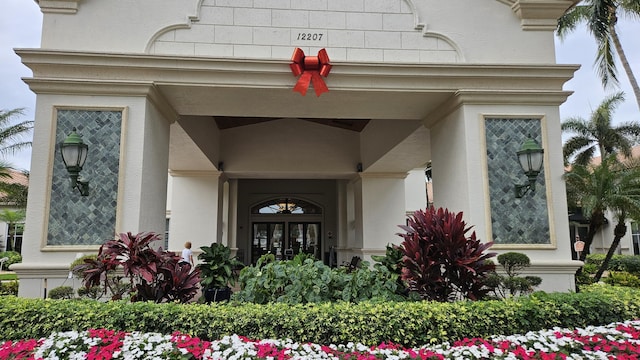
point(12, 134)
point(608, 186)
point(586, 186)
point(599, 134)
point(601, 18)
point(12, 218)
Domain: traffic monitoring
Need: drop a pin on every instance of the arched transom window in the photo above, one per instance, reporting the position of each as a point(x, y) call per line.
point(286, 206)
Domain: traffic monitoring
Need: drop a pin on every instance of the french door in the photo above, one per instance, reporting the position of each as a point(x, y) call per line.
point(285, 239)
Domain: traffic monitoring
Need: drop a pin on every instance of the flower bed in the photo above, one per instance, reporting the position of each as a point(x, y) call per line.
point(614, 341)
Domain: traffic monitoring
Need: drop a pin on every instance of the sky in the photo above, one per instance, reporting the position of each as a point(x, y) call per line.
point(21, 25)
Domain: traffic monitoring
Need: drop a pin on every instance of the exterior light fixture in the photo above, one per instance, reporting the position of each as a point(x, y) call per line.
point(74, 154)
point(530, 159)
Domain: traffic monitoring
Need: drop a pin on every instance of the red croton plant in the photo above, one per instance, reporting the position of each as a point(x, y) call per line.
point(154, 275)
point(441, 262)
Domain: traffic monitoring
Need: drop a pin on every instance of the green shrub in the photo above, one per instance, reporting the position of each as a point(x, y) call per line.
point(9, 288)
point(622, 278)
point(304, 280)
point(393, 262)
point(300, 280)
point(628, 263)
point(13, 258)
point(595, 259)
point(405, 323)
point(619, 263)
point(61, 292)
point(512, 284)
point(94, 292)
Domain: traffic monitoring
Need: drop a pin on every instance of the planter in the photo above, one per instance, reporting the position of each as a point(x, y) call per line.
point(217, 294)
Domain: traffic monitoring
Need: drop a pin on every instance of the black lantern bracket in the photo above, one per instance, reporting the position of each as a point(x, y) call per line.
point(530, 158)
point(74, 154)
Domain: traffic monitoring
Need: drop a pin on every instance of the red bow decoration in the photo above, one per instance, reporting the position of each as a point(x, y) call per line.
point(311, 67)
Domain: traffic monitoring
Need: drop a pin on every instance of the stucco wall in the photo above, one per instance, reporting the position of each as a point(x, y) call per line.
point(472, 31)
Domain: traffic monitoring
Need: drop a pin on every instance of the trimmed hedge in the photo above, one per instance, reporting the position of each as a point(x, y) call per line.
point(406, 323)
point(628, 263)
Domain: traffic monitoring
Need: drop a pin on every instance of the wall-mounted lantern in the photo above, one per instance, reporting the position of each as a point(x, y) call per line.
point(74, 153)
point(530, 158)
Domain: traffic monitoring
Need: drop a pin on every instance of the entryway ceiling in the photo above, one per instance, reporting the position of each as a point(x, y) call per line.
point(281, 103)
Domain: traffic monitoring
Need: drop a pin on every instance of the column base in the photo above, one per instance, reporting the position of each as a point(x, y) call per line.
point(37, 279)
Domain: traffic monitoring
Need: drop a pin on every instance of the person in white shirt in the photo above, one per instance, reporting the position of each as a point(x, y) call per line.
point(187, 254)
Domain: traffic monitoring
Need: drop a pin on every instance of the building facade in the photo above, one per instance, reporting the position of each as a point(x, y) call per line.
point(203, 89)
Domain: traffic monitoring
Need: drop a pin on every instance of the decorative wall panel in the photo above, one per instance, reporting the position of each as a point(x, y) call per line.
point(86, 220)
point(514, 221)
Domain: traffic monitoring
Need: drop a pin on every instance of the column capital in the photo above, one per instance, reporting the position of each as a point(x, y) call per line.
point(196, 173)
point(382, 175)
point(540, 14)
point(59, 6)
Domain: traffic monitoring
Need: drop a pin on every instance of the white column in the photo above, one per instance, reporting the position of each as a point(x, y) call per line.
point(143, 180)
point(232, 217)
point(382, 209)
point(221, 214)
point(415, 190)
point(194, 209)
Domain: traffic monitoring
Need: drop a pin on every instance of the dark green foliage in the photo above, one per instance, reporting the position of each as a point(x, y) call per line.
point(512, 284)
point(154, 275)
point(440, 262)
point(9, 288)
point(513, 262)
point(405, 323)
point(61, 292)
point(393, 262)
point(304, 280)
point(14, 193)
point(217, 267)
point(77, 271)
point(364, 284)
point(622, 278)
point(628, 263)
point(14, 258)
point(295, 281)
point(618, 263)
point(94, 292)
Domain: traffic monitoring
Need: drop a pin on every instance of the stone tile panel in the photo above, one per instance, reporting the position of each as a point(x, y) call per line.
point(514, 221)
point(86, 220)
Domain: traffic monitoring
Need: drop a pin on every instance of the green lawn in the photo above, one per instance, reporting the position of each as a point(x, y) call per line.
point(8, 276)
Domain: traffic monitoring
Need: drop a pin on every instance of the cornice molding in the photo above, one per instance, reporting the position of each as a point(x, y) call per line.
point(496, 97)
point(103, 88)
point(58, 6)
point(117, 71)
point(540, 15)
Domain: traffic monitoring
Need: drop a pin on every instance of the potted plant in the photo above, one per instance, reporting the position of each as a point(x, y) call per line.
point(217, 272)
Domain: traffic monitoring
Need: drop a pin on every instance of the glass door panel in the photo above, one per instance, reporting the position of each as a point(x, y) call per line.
point(267, 237)
point(303, 238)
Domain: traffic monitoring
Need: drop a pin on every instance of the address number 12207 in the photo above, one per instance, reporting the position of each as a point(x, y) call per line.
point(310, 36)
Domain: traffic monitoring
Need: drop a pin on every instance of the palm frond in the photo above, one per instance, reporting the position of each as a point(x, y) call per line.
point(13, 135)
point(568, 22)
